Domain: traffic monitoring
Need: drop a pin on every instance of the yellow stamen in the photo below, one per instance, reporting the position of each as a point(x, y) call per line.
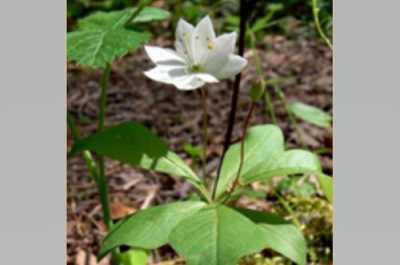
point(210, 45)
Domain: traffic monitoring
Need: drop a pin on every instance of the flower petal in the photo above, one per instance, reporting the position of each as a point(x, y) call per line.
point(188, 82)
point(219, 52)
point(165, 57)
point(159, 74)
point(207, 78)
point(234, 66)
point(183, 39)
point(203, 35)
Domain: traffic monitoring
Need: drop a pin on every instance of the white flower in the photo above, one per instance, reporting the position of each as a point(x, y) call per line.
point(200, 57)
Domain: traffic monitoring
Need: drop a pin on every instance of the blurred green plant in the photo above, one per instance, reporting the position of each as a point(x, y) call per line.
point(316, 9)
point(79, 8)
point(311, 114)
point(272, 14)
point(316, 218)
point(194, 151)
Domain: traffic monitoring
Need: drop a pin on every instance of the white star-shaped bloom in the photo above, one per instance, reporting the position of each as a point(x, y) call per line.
point(200, 57)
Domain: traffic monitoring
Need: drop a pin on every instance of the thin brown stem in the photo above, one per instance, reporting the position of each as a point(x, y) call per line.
point(244, 132)
point(205, 130)
point(244, 12)
point(236, 84)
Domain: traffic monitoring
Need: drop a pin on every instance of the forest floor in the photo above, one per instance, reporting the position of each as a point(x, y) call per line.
point(303, 68)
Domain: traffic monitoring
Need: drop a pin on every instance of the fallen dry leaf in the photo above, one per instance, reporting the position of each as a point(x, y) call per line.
point(120, 210)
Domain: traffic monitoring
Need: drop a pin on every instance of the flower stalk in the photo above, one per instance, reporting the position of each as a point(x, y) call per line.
point(205, 131)
point(244, 132)
point(244, 13)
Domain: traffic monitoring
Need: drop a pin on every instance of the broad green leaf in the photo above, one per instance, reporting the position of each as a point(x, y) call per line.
point(98, 47)
point(134, 257)
point(280, 235)
point(326, 184)
point(102, 37)
point(311, 114)
point(283, 164)
point(120, 18)
point(148, 228)
point(134, 144)
point(261, 142)
point(216, 235)
point(106, 20)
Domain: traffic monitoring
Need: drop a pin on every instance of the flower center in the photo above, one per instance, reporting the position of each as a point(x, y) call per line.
point(195, 68)
point(210, 45)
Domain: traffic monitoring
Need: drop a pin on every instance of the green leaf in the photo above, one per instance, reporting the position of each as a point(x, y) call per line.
point(151, 14)
point(134, 144)
point(283, 164)
point(216, 235)
point(102, 37)
point(105, 20)
point(280, 235)
point(311, 114)
point(193, 151)
point(120, 18)
point(261, 142)
point(98, 47)
point(326, 184)
point(148, 228)
point(264, 157)
point(134, 257)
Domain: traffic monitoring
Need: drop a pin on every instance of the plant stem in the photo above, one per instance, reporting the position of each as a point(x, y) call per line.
point(270, 106)
point(87, 155)
point(139, 9)
point(103, 191)
point(236, 85)
point(246, 125)
point(205, 130)
point(315, 10)
point(244, 12)
point(102, 181)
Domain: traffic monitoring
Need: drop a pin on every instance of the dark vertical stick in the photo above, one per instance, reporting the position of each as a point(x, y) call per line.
point(244, 12)
point(236, 85)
